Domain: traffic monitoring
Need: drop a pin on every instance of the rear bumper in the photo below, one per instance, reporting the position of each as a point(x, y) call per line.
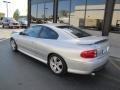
point(79, 67)
point(14, 25)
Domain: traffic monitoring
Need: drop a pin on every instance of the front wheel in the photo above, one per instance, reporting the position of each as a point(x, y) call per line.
point(57, 64)
point(13, 45)
point(3, 26)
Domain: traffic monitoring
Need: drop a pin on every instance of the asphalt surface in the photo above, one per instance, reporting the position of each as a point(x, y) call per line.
point(21, 72)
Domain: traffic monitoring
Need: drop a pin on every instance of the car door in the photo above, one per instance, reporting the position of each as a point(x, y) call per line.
point(5, 22)
point(43, 45)
point(25, 40)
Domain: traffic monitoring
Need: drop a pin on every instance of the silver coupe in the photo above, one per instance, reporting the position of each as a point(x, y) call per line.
point(63, 48)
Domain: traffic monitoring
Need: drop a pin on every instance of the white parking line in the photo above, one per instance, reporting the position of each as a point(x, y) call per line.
point(110, 77)
point(3, 39)
point(115, 65)
point(114, 58)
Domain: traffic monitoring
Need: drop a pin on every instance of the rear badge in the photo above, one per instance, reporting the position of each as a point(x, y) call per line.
point(105, 50)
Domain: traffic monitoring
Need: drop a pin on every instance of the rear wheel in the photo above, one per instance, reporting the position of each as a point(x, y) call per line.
point(57, 64)
point(13, 45)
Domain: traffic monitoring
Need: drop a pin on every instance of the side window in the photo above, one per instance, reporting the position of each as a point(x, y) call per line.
point(33, 31)
point(48, 33)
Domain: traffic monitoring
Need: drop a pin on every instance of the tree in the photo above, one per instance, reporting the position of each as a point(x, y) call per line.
point(16, 14)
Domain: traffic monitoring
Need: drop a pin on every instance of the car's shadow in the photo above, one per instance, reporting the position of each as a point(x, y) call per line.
point(68, 76)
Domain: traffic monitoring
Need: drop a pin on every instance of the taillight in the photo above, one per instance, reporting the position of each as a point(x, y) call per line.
point(89, 54)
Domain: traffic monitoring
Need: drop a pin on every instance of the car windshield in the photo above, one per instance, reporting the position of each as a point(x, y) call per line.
point(75, 31)
point(12, 20)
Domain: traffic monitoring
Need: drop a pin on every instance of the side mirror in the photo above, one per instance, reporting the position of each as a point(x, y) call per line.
point(22, 33)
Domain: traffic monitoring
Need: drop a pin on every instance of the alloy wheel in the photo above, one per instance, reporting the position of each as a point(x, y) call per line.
point(13, 45)
point(56, 64)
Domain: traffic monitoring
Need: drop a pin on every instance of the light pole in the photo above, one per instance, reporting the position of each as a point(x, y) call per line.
point(55, 11)
point(70, 10)
point(109, 9)
point(29, 16)
point(44, 11)
point(7, 6)
point(85, 12)
point(37, 11)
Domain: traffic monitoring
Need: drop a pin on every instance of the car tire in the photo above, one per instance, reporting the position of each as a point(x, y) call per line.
point(3, 26)
point(13, 45)
point(9, 27)
point(57, 64)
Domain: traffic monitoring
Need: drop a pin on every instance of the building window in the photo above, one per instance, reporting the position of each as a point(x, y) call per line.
point(116, 17)
point(63, 11)
point(41, 11)
point(80, 13)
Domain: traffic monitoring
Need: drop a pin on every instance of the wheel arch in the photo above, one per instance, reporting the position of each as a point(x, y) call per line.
point(55, 54)
point(65, 63)
point(11, 38)
point(49, 56)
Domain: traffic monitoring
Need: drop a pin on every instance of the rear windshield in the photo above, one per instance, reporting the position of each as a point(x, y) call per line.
point(75, 31)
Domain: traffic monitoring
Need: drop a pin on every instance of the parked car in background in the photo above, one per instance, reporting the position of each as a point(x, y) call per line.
point(64, 48)
point(1, 21)
point(10, 23)
point(23, 22)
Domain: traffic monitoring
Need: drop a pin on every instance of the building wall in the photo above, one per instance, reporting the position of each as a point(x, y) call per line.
point(116, 16)
point(42, 11)
point(93, 12)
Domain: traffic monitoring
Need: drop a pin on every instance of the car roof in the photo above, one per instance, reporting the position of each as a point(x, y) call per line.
point(51, 24)
point(58, 30)
point(56, 24)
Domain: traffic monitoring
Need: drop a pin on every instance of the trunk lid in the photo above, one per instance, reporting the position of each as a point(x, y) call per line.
point(101, 44)
point(91, 40)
